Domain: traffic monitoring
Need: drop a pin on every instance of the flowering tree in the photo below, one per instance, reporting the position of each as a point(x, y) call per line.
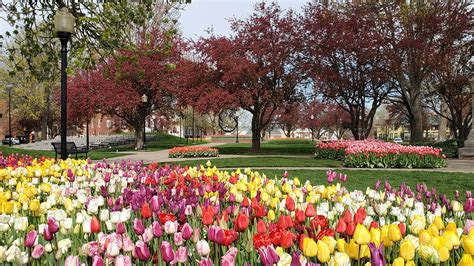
point(145, 70)
point(288, 118)
point(343, 57)
point(419, 36)
point(255, 69)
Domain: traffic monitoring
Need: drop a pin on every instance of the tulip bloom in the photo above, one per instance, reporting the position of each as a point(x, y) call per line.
point(30, 238)
point(310, 248)
point(95, 225)
point(167, 252)
point(187, 231)
point(138, 227)
point(141, 250)
point(72, 261)
point(324, 254)
point(203, 248)
point(120, 229)
point(290, 203)
point(47, 235)
point(241, 222)
point(229, 258)
point(268, 255)
point(53, 226)
point(146, 211)
point(37, 252)
point(376, 254)
point(122, 260)
point(204, 262)
point(310, 210)
point(97, 261)
point(182, 254)
point(157, 232)
point(361, 235)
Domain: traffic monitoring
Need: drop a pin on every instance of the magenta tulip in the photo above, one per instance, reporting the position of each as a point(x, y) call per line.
point(182, 254)
point(120, 229)
point(97, 261)
point(138, 227)
point(37, 252)
point(178, 239)
point(155, 204)
point(469, 205)
point(167, 252)
point(47, 235)
point(204, 262)
point(30, 238)
point(229, 258)
point(187, 231)
point(141, 250)
point(157, 232)
point(122, 260)
point(127, 244)
point(53, 226)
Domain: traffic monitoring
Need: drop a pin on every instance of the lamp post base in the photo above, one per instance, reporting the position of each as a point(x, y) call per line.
point(467, 152)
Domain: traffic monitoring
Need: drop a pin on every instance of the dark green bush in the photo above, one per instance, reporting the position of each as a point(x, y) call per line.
point(329, 154)
point(290, 141)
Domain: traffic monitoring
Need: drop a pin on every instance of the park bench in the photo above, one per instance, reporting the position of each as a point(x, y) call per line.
point(71, 148)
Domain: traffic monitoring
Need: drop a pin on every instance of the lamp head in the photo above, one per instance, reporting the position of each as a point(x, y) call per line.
point(64, 21)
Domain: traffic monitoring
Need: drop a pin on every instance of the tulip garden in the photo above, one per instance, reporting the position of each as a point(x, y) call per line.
point(76, 212)
point(380, 154)
point(189, 152)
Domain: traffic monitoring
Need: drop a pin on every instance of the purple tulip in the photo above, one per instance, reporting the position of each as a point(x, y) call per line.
point(376, 254)
point(47, 234)
point(120, 229)
point(157, 232)
point(138, 227)
point(295, 259)
point(204, 262)
point(167, 252)
point(53, 226)
point(30, 238)
point(37, 252)
point(187, 231)
point(141, 250)
point(268, 255)
point(97, 261)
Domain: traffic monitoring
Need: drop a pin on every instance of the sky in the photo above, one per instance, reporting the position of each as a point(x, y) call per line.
point(201, 15)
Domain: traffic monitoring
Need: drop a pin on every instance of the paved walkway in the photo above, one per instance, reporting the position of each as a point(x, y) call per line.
point(454, 165)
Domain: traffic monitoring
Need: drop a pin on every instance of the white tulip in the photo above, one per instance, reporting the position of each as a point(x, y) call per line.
point(104, 215)
point(115, 217)
point(86, 226)
point(21, 223)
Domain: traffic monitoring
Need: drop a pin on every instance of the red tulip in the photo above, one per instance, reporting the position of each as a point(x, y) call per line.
point(360, 215)
point(261, 227)
point(146, 211)
point(241, 222)
point(259, 211)
point(373, 224)
point(207, 216)
point(300, 215)
point(325, 232)
point(261, 240)
point(319, 221)
point(301, 240)
point(347, 216)
point(282, 222)
point(276, 236)
point(164, 217)
point(341, 226)
point(245, 202)
point(403, 228)
point(310, 210)
point(350, 228)
point(287, 239)
point(95, 225)
point(290, 203)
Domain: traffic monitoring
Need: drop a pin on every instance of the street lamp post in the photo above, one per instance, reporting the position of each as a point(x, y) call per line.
point(10, 86)
point(311, 129)
point(144, 101)
point(64, 26)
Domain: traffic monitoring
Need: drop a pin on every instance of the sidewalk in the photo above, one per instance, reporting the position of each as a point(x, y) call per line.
point(454, 165)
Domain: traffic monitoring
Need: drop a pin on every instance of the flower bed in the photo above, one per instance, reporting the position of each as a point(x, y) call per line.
point(290, 141)
point(193, 151)
point(380, 154)
point(74, 211)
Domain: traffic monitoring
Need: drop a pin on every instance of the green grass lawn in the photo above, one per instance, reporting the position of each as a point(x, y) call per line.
point(265, 161)
point(94, 155)
point(267, 148)
point(361, 179)
point(163, 142)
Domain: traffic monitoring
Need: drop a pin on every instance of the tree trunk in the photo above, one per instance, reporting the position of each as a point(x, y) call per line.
point(256, 129)
point(442, 122)
point(416, 121)
point(139, 136)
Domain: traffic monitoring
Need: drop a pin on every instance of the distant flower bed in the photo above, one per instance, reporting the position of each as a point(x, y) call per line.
point(188, 152)
point(289, 141)
point(380, 154)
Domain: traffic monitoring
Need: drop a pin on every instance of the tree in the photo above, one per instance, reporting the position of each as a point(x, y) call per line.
point(255, 69)
point(82, 97)
point(288, 118)
point(419, 35)
point(344, 59)
point(314, 117)
point(337, 120)
point(146, 70)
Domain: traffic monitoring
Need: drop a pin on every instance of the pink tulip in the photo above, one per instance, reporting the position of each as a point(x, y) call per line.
point(204, 262)
point(167, 252)
point(178, 238)
point(127, 244)
point(30, 238)
point(157, 232)
point(155, 204)
point(97, 261)
point(229, 258)
point(113, 248)
point(141, 250)
point(37, 252)
point(188, 210)
point(187, 231)
point(182, 254)
point(53, 226)
point(72, 261)
point(122, 260)
point(469, 205)
point(468, 226)
point(47, 235)
point(148, 235)
point(120, 229)
point(196, 235)
point(170, 227)
point(138, 227)
point(203, 248)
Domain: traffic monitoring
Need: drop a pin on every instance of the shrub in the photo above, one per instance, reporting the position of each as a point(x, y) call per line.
point(290, 141)
point(450, 147)
point(190, 151)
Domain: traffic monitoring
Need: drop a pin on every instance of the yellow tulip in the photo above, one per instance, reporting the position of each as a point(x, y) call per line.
point(341, 259)
point(394, 233)
point(331, 242)
point(407, 250)
point(434, 230)
point(398, 262)
point(452, 238)
point(424, 237)
point(468, 245)
point(384, 236)
point(451, 226)
point(466, 260)
point(296, 182)
point(271, 215)
point(361, 235)
point(340, 245)
point(324, 254)
point(438, 222)
point(310, 248)
point(45, 187)
point(443, 254)
point(375, 235)
point(34, 205)
point(410, 263)
point(352, 249)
